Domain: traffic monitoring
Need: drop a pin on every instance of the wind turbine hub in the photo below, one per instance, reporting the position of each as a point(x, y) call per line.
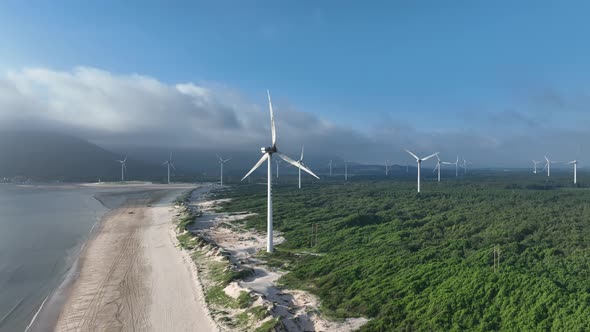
point(269, 150)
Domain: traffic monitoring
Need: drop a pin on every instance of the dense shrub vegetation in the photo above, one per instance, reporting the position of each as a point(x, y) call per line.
point(425, 262)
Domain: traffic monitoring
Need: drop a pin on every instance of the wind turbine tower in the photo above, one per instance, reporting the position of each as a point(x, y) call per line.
point(331, 163)
point(419, 162)
point(345, 170)
point(535, 166)
point(123, 168)
point(547, 166)
point(267, 153)
point(437, 167)
point(168, 163)
point(221, 162)
point(575, 162)
point(277, 162)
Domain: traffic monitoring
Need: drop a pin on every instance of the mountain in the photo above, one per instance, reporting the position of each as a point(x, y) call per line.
point(54, 156)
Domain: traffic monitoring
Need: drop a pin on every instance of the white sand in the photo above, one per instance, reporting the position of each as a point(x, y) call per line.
point(298, 310)
point(132, 277)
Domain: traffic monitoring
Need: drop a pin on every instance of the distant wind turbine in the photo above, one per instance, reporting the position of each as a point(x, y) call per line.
point(169, 164)
point(123, 168)
point(277, 162)
point(535, 166)
point(386, 167)
point(465, 163)
point(221, 162)
point(456, 163)
point(331, 163)
point(437, 167)
point(345, 170)
point(267, 155)
point(575, 162)
point(548, 166)
point(419, 161)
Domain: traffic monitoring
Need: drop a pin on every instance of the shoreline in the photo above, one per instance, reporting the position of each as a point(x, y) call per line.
point(63, 308)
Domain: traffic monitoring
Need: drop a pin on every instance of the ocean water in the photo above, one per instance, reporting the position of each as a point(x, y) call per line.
point(42, 229)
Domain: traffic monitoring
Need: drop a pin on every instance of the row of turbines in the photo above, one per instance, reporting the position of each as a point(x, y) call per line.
point(268, 152)
point(168, 163)
point(548, 167)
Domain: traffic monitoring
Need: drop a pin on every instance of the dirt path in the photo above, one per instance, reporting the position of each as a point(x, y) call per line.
point(132, 278)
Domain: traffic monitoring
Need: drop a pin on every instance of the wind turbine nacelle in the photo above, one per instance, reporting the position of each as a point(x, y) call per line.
point(272, 149)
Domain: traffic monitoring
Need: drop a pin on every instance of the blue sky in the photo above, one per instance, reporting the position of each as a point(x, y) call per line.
point(429, 65)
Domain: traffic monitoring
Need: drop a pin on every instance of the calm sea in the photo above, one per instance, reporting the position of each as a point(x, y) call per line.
point(42, 229)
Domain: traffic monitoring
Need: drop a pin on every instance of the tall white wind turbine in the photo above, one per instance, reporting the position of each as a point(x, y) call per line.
point(331, 163)
point(221, 162)
point(419, 161)
point(456, 163)
point(168, 163)
point(575, 162)
point(267, 153)
point(547, 166)
point(386, 167)
point(123, 168)
point(535, 166)
point(437, 167)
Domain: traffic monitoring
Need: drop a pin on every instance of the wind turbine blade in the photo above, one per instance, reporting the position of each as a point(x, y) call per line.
point(263, 159)
point(218, 157)
point(432, 155)
point(289, 160)
point(413, 155)
point(165, 163)
point(301, 153)
point(272, 120)
point(124, 160)
point(172, 165)
point(546, 158)
point(225, 161)
point(297, 164)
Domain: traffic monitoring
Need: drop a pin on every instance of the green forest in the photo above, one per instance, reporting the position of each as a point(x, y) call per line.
point(489, 252)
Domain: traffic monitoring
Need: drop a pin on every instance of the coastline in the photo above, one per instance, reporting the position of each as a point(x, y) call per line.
point(84, 300)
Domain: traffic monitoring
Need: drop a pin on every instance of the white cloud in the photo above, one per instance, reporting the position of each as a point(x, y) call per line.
point(112, 109)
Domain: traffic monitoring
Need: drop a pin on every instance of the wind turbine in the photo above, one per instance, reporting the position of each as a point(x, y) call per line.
point(221, 162)
point(465, 162)
point(169, 164)
point(535, 166)
point(547, 166)
point(331, 163)
point(386, 167)
point(123, 168)
point(419, 161)
point(267, 153)
point(277, 162)
point(575, 162)
point(456, 163)
point(345, 170)
point(437, 167)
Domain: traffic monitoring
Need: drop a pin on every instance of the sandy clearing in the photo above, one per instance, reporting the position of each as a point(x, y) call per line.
point(132, 277)
point(297, 310)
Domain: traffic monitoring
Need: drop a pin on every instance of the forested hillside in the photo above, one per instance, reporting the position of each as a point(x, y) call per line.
point(426, 262)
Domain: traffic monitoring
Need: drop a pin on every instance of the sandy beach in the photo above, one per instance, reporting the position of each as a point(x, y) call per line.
point(131, 276)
